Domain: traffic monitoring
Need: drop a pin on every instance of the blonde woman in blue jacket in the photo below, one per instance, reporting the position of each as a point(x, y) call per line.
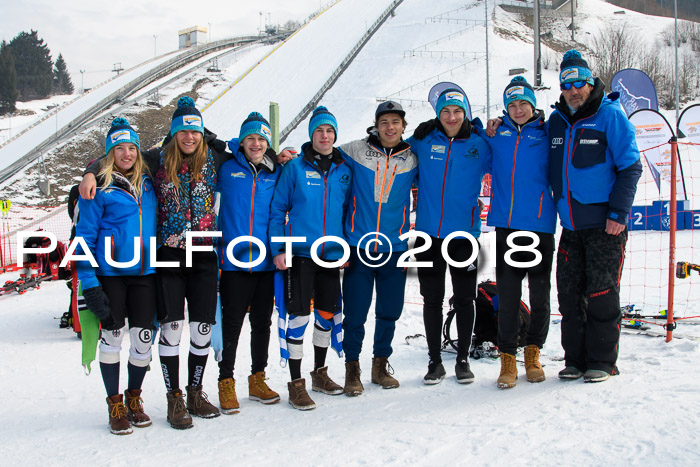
point(120, 222)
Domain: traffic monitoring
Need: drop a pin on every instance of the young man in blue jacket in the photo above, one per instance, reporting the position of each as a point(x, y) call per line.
point(383, 170)
point(522, 204)
point(594, 169)
point(452, 160)
point(310, 201)
point(246, 183)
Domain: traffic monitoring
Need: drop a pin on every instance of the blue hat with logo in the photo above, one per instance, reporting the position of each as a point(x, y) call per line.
point(121, 132)
point(574, 68)
point(186, 117)
point(256, 124)
point(321, 116)
point(519, 90)
point(451, 96)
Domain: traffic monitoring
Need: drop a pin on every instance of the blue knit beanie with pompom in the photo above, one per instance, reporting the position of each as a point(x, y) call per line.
point(121, 132)
point(256, 124)
point(574, 68)
point(519, 90)
point(186, 117)
point(321, 116)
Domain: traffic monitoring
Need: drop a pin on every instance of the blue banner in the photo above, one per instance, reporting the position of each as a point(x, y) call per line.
point(636, 90)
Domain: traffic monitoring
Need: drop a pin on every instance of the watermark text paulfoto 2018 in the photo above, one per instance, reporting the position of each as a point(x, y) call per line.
point(369, 242)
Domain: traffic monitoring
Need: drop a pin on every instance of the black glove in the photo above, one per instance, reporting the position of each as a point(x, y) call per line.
point(97, 302)
point(424, 129)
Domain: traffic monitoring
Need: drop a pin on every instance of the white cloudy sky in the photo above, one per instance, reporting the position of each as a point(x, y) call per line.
point(93, 36)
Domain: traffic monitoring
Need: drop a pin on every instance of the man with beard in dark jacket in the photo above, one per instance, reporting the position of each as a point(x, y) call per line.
point(594, 169)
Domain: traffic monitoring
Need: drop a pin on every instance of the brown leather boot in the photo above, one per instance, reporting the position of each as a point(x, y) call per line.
point(227, 396)
point(134, 406)
point(509, 373)
point(321, 382)
point(258, 390)
point(353, 385)
point(381, 373)
point(533, 368)
point(118, 421)
point(177, 411)
point(198, 403)
point(298, 397)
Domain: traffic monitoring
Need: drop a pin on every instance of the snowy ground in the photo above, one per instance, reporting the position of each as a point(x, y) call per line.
point(56, 415)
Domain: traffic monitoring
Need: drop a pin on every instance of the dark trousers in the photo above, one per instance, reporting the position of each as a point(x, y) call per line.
point(432, 288)
point(358, 284)
point(242, 292)
point(509, 282)
point(132, 298)
point(197, 284)
point(589, 264)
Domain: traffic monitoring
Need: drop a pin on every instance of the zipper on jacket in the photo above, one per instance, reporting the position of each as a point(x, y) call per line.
point(444, 179)
point(354, 210)
point(252, 210)
point(539, 213)
point(381, 195)
point(404, 221)
point(512, 179)
point(325, 191)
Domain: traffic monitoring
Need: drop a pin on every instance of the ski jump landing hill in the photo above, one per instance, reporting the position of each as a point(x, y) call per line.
point(70, 118)
point(311, 60)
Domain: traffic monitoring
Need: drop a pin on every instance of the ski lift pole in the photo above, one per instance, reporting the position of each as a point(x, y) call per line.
point(670, 324)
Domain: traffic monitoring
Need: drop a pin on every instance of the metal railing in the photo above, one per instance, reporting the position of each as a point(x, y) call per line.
point(339, 71)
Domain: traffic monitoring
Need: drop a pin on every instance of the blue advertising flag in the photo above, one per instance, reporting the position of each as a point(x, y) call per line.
point(636, 90)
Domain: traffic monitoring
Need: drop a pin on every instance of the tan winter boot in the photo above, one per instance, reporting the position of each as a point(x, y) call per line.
point(118, 421)
point(298, 397)
point(381, 373)
point(134, 406)
point(321, 382)
point(533, 368)
point(227, 396)
point(198, 403)
point(258, 390)
point(509, 373)
point(353, 385)
point(177, 411)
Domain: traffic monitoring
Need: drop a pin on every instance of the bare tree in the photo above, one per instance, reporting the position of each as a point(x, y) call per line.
point(615, 48)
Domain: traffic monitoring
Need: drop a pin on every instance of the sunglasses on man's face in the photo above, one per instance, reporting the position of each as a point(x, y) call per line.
point(576, 84)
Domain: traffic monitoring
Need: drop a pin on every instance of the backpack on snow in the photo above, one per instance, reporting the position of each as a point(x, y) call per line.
point(47, 263)
point(486, 320)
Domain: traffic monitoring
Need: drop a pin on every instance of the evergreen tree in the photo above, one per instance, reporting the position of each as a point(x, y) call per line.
point(8, 80)
point(33, 66)
point(61, 79)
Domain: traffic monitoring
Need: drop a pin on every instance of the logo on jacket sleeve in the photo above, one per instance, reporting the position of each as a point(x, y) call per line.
point(312, 174)
point(506, 133)
point(238, 174)
point(438, 148)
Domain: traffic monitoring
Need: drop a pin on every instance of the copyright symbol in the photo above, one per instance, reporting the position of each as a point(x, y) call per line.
point(373, 240)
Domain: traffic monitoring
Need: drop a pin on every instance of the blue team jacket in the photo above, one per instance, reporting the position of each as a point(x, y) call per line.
point(244, 208)
point(450, 171)
point(520, 194)
point(314, 203)
point(380, 200)
point(114, 218)
point(594, 165)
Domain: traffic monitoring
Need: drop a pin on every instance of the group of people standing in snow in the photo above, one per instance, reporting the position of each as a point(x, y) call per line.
point(195, 194)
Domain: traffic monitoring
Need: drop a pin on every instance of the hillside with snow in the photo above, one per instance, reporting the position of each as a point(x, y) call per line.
point(57, 415)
